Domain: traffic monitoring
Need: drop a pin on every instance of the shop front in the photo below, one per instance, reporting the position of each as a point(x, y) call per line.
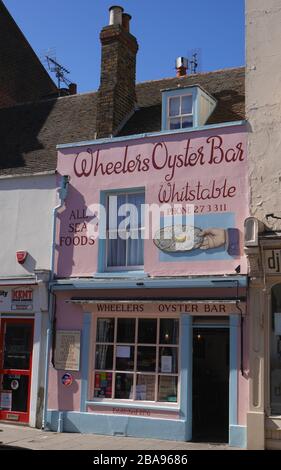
point(150, 325)
point(21, 328)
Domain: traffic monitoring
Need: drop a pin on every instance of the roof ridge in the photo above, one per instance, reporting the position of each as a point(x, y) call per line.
point(193, 75)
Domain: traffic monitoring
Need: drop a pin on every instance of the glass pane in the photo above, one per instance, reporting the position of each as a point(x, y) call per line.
point(168, 387)
point(116, 252)
point(175, 123)
point(137, 199)
point(105, 330)
point(147, 331)
point(103, 385)
point(17, 346)
point(15, 388)
point(187, 122)
point(145, 387)
point(186, 104)
point(135, 251)
point(146, 359)
point(168, 360)
point(174, 106)
point(169, 331)
point(104, 357)
point(125, 356)
point(126, 330)
point(275, 352)
point(124, 386)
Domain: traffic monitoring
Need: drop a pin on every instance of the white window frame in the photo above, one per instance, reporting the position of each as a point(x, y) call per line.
point(180, 116)
point(157, 373)
point(107, 241)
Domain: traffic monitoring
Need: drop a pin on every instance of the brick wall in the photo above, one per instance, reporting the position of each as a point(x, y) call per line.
point(117, 95)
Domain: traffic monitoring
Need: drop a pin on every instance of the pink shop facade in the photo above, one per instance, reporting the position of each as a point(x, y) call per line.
point(149, 329)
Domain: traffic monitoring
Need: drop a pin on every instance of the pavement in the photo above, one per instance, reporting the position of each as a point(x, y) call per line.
point(22, 437)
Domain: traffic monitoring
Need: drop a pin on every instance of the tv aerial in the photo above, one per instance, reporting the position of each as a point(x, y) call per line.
point(55, 67)
point(194, 61)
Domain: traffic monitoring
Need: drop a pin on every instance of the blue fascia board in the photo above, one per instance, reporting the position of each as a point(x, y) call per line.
point(113, 140)
point(148, 283)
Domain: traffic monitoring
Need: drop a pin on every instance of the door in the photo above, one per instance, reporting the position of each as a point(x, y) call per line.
point(210, 419)
point(16, 343)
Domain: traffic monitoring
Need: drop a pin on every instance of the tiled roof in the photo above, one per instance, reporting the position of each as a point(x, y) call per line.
point(30, 132)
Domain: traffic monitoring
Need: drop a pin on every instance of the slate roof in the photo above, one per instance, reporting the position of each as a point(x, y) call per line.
point(30, 132)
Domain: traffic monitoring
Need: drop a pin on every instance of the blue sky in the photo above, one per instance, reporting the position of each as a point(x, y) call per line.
point(165, 29)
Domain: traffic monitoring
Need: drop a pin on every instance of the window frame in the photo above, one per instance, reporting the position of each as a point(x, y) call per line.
point(180, 116)
point(157, 373)
point(104, 244)
point(166, 97)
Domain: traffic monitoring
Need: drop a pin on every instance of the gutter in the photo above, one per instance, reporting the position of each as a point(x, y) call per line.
point(62, 195)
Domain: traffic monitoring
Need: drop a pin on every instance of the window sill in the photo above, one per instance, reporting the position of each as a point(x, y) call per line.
point(172, 407)
point(121, 274)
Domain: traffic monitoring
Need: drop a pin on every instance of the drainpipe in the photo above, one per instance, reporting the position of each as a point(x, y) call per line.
point(62, 195)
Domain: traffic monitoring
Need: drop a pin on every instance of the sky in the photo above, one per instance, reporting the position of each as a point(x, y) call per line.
point(165, 29)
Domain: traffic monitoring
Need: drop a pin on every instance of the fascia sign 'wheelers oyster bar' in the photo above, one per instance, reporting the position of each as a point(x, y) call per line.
point(150, 309)
point(149, 324)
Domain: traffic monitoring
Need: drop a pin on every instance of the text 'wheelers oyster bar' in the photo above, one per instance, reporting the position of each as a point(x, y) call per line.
point(152, 329)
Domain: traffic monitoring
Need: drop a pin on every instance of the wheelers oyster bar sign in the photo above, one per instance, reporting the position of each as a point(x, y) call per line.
point(197, 180)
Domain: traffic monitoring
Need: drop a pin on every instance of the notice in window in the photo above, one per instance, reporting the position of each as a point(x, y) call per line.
point(166, 364)
point(67, 354)
point(6, 400)
point(123, 351)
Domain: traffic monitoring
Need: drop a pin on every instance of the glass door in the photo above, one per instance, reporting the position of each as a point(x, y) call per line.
point(16, 343)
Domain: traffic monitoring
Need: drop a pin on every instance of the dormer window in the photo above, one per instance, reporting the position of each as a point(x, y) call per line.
point(186, 107)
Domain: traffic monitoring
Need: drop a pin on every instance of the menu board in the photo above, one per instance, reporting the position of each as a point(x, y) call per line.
point(6, 400)
point(67, 353)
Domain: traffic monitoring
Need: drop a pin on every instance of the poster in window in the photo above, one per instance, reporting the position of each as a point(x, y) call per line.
point(67, 353)
point(166, 364)
point(6, 400)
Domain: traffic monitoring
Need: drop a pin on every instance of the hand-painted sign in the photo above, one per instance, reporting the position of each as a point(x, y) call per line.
point(198, 181)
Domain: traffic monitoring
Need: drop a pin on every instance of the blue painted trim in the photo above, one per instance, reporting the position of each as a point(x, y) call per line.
point(210, 326)
point(114, 140)
point(86, 334)
point(233, 366)
point(133, 426)
point(186, 373)
point(150, 283)
point(114, 404)
point(238, 436)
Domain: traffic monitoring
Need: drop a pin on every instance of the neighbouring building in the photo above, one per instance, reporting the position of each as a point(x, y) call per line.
point(263, 229)
point(150, 334)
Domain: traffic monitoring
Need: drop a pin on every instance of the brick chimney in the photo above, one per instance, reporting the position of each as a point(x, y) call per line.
point(117, 94)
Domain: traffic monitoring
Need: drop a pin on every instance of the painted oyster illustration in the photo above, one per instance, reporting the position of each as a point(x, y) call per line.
point(176, 238)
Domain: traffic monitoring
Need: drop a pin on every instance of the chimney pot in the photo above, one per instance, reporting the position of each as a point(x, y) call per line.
point(126, 18)
point(115, 15)
point(181, 66)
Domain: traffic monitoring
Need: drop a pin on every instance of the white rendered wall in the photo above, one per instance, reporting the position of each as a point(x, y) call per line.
point(263, 106)
point(26, 205)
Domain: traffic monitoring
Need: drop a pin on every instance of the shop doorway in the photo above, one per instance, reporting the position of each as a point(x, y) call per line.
point(210, 399)
point(16, 341)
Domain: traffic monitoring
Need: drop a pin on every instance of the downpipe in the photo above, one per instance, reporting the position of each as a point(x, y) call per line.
point(63, 191)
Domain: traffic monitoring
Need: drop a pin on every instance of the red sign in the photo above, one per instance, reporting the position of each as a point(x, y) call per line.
point(19, 295)
point(21, 256)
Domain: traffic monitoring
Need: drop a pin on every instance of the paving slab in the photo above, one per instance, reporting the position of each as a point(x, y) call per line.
point(36, 439)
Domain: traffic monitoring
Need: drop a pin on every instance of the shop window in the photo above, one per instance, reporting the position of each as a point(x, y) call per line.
point(275, 351)
point(125, 231)
point(136, 359)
